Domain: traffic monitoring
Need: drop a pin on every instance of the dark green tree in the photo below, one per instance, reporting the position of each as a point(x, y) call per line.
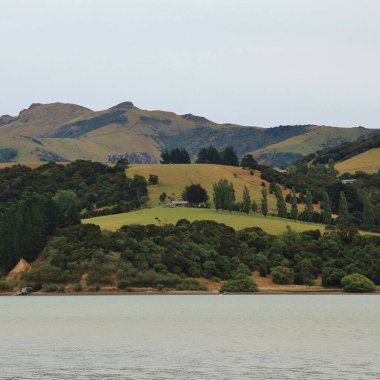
point(122, 164)
point(195, 194)
point(229, 157)
point(246, 205)
point(175, 156)
point(165, 157)
point(281, 205)
point(208, 155)
point(223, 195)
point(326, 207)
point(67, 202)
point(153, 179)
point(264, 202)
point(248, 162)
point(163, 197)
point(294, 205)
point(308, 213)
point(331, 168)
point(368, 215)
point(254, 207)
point(343, 210)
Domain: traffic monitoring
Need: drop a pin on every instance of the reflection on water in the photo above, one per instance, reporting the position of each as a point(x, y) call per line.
point(190, 337)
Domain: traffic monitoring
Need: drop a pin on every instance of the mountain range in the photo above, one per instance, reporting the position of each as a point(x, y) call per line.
point(64, 132)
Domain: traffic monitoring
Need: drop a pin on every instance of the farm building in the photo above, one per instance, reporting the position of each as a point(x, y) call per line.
point(174, 204)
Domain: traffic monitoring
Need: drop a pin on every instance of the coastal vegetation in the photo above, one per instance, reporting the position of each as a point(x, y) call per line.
point(297, 228)
point(179, 256)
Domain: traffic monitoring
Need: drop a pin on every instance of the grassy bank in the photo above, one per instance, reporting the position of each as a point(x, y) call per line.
point(237, 220)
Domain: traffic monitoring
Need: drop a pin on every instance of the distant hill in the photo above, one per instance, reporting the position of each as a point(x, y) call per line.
point(65, 132)
point(368, 161)
point(362, 155)
point(315, 138)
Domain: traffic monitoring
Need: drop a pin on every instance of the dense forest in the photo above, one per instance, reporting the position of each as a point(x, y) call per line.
point(34, 202)
point(317, 181)
point(101, 189)
point(174, 256)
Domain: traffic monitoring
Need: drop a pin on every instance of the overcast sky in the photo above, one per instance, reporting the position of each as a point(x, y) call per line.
point(251, 62)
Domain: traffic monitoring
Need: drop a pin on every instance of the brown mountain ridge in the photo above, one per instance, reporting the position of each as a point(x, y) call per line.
point(65, 132)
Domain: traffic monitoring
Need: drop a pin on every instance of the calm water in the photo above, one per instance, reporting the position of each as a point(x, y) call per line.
point(190, 337)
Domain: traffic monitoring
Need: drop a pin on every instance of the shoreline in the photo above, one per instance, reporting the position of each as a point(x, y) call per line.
point(188, 293)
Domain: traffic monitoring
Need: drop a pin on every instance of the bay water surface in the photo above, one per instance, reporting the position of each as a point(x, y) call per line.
point(190, 337)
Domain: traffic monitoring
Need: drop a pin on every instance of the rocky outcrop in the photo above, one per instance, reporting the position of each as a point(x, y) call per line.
point(133, 158)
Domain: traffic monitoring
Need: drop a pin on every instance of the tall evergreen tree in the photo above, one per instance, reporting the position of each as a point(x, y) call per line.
point(246, 200)
point(308, 213)
point(264, 202)
point(223, 195)
point(248, 162)
point(343, 210)
point(165, 157)
point(294, 205)
point(175, 156)
point(331, 168)
point(208, 155)
point(326, 207)
point(281, 205)
point(254, 207)
point(368, 215)
point(229, 157)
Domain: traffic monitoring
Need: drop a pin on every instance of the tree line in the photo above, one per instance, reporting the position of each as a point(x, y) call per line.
point(172, 256)
point(207, 155)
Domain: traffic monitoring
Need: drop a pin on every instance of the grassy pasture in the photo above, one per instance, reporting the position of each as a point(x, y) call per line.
point(238, 221)
point(174, 178)
point(368, 161)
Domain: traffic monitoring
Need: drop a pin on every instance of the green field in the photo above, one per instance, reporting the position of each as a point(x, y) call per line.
point(160, 215)
point(174, 178)
point(368, 161)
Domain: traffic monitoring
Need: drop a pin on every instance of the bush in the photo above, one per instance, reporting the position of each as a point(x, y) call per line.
point(191, 284)
point(5, 285)
point(78, 288)
point(282, 275)
point(332, 277)
point(357, 283)
point(153, 179)
point(52, 288)
point(239, 285)
point(123, 284)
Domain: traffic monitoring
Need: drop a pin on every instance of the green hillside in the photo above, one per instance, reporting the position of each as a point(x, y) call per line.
point(65, 132)
point(237, 220)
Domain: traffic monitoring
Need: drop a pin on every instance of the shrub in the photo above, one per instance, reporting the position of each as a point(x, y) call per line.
point(5, 285)
point(282, 275)
point(78, 288)
point(357, 283)
point(239, 285)
point(123, 284)
point(153, 179)
point(52, 288)
point(191, 284)
point(332, 276)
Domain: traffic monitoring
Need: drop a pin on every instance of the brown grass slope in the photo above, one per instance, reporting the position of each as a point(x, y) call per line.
point(368, 161)
point(61, 131)
point(316, 138)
